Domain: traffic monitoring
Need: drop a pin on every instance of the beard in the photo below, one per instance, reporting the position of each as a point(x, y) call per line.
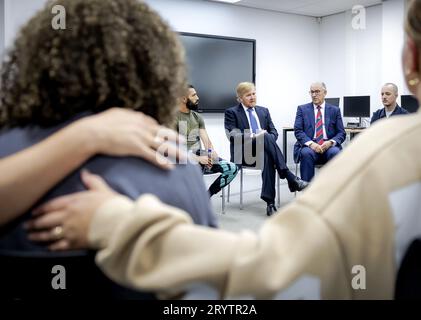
point(192, 106)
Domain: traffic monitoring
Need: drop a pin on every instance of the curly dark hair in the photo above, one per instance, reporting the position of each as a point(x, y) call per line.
point(112, 53)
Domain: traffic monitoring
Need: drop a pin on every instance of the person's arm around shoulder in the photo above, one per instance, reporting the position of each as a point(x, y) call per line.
point(127, 233)
point(139, 245)
point(115, 132)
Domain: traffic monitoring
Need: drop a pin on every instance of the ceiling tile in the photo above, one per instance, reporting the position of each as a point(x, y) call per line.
point(314, 8)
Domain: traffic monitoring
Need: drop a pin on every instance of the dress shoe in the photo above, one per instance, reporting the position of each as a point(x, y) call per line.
point(270, 209)
point(297, 184)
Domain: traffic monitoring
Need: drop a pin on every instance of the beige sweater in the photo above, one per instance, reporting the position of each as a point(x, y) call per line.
point(342, 220)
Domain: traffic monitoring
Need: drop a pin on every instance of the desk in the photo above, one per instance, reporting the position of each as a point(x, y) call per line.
point(351, 131)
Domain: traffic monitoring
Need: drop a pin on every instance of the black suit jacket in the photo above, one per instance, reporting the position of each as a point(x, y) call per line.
point(238, 130)
point(381, 113)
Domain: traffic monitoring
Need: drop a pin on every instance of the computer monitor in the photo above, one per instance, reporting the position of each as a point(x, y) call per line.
point(334, 101)
point(410, 103)
point(357, 106)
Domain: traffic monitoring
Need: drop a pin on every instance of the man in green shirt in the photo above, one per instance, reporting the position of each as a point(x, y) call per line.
point(190, 124)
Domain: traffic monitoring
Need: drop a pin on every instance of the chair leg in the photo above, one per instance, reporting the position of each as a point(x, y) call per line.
point(296, 174)
point(241, 188)
point(278, 193)
point(223, 200)
point(229, 191)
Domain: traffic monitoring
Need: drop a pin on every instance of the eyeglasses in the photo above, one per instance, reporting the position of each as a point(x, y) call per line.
point(316, 92)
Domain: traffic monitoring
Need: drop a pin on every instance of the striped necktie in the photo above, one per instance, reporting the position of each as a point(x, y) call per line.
point(319, 126)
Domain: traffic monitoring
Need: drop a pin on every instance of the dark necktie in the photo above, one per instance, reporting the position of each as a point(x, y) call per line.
point(253, 121)
point(319, 126)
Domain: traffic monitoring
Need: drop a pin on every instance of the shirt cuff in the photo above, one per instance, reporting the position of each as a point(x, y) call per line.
point(308, 143)
point(334, 142)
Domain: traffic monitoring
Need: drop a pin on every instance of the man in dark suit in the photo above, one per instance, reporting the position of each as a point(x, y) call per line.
point(319, 131)
point(253, 143)
point(391, 108)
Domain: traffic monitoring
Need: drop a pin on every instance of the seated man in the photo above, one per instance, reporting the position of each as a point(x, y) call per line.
point(319, 131)
point(191, 125)
point(390, 108)
point(250, 127)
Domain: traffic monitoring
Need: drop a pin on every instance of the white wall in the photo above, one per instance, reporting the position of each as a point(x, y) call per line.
point(392, 43)
point(292, 51)
point(286, 52)
point(1, 27)
point(17, 12)
point(359, 62)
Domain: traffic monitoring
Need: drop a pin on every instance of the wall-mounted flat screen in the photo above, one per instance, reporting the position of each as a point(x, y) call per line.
point(215, 66)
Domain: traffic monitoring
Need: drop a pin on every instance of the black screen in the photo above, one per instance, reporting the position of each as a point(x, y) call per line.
point(410, 103)
point(216, 65)
point(357, 106)
point(334, 101)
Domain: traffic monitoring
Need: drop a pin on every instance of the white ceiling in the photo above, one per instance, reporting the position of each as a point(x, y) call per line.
point(313, 8)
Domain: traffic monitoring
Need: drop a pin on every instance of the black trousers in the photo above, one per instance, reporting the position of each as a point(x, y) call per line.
point(273, 160)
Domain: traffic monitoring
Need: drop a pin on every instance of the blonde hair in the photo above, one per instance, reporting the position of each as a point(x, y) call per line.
point(243, 88)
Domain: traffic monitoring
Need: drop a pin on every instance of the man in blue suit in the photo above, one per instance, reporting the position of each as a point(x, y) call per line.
point(319, 131)
point(253, 138)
